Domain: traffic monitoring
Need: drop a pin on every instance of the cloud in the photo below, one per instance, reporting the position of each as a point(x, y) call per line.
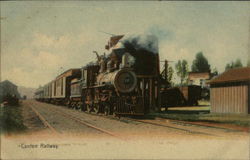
point(37, 48)
point(30, 69)
point(24, 78)
point(42, 56)
point(41, 40)
point(48, 60)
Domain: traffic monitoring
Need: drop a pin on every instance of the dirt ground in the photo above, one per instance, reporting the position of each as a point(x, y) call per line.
point(31, 120)
point(136, 140)
point(124, 127)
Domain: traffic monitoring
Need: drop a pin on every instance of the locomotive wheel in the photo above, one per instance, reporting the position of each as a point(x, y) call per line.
point(83, 107)
point(89, 108)
point(106, 111)
point(69, 104)
point(78, 106)
point(97, 108)
point(74, 106)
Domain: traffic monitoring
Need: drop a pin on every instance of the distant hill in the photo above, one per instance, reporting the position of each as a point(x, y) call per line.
point(29, 92)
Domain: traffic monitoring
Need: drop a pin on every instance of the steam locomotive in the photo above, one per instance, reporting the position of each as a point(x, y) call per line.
point(123, 82)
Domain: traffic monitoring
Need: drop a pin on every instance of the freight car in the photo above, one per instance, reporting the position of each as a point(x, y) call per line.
point(39, 94)
point(58, 90)
point(123, 82)
point(180, 96)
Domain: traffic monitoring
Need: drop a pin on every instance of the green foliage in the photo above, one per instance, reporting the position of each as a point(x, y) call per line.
point(11, 119)
point(182, 70)
point(191, 115)
point(248, 62)
point(214, 72)
point(200, 64)
point(170, 74)
point(236, 64)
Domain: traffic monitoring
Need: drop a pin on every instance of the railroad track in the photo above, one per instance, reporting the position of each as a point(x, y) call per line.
point(223, 127)
point(80, 120)
point(153, 122)
point(44, 121)
point(174, 124)
point(76, 119)
point(227, 127)
point(175, 127)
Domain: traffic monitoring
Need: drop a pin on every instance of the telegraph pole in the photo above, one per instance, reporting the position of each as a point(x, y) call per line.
point(166, 70)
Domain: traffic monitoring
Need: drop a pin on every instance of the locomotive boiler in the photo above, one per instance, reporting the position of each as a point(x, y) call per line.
point(125, 81)
point(122, 80)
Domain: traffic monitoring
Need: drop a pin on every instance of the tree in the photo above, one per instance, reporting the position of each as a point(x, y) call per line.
point(182, 70)
point(214, 72)
point(200, 64)
point(248, 62)
point(236, 64)
point(170, 74)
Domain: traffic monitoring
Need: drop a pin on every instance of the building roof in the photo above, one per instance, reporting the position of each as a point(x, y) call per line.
point(208, 72)
point(233, 75)
point(7, 82)
point(68, 73)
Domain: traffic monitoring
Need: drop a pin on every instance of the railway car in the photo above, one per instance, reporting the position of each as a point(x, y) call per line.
point(75, 94)
point(123, 82)
point(60, 87)
point(47, 92)
point(191, 93)
point(39, 94)
point(180, 96)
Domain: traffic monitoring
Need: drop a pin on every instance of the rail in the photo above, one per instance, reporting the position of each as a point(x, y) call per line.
point(176, 128)
point(44, 121)
point(81, 121)
point(212, 125)
point(157, 124)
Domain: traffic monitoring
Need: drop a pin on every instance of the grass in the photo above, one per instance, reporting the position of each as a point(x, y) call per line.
point(11, 120)
point(202, 114)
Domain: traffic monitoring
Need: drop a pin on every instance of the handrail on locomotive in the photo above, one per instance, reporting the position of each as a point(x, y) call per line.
point(124, 82)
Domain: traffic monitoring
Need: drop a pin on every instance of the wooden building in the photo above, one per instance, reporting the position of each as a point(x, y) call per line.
point(230, 92)
point(8, 88)
point(199, 78)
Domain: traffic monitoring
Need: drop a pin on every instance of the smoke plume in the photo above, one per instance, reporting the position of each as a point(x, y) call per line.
point(141, 42)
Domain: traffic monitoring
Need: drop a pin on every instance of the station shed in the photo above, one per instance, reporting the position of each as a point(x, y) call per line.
point(8, 88)
point(230, 91)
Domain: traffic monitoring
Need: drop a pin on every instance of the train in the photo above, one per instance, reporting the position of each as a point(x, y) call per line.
point(126, 81)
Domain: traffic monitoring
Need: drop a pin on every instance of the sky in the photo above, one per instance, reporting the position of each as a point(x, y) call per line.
point(40, 39)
